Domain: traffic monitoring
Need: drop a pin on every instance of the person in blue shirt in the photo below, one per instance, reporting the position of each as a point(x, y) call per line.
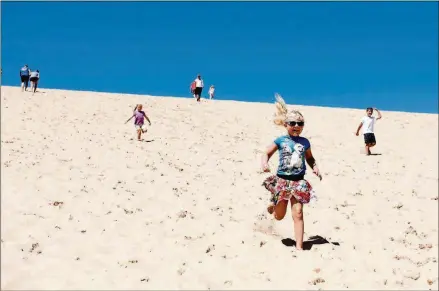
point(289, 183)
point(24, 76)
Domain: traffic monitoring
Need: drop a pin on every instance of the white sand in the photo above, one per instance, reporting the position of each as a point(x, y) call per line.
point(187, 210)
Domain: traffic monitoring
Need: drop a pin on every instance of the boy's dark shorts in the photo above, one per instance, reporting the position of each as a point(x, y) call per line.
point(198, 91)
point(369, 138)
point(24, 79)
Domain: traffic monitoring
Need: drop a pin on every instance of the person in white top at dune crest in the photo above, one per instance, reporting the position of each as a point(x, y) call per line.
point(211, 92)
point(367, 123)
point(34, 78)
point(199, 85)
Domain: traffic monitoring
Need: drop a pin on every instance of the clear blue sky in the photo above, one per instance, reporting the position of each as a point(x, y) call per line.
point(343, 54)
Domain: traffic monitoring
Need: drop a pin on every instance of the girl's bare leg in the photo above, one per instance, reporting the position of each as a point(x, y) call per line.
point(22, 86)
point(280, 209)
point(139, 134)
point(299, 226)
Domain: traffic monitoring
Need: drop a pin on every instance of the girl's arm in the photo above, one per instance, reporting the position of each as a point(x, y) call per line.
point(147, 118)
point(267, 155)
point(312, 162)
point(129, 119)
point(310, 158)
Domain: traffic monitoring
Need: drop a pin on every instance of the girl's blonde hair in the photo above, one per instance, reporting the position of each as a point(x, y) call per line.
point(282, 114)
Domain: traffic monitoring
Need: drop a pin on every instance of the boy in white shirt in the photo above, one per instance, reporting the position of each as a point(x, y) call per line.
point(211, 92)
point(368, 122)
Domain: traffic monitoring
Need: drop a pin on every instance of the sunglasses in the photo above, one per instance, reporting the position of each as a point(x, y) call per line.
point(294, 123)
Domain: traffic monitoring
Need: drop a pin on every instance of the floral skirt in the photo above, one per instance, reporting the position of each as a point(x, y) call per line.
point(282, 189)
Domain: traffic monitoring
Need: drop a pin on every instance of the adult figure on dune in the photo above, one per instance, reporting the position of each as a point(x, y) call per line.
point(34, 78)
point(367, 123)
point(24, 76)
point(199, 85)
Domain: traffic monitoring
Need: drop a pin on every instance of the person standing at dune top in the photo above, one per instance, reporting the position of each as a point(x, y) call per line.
point(211, 92)
point(368, 123)
point(24, 76)
point(289, 184)
point(199, 85)
point(139, 119)
point(34, 78)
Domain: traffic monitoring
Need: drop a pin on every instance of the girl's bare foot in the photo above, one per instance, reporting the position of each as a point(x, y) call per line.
point(270, 208)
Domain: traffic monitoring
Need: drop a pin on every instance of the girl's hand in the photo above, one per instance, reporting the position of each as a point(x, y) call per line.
point(265, 168)
point(317, 172)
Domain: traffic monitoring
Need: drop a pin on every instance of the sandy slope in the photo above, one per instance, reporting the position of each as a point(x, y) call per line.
point(186, 210)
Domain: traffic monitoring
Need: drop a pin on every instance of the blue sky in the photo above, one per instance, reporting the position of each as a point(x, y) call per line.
point(343, 54)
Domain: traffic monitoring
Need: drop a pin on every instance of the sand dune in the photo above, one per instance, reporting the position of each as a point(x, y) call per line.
point(87, 206)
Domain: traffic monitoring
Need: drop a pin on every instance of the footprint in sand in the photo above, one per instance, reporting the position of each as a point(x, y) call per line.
point(265, 225)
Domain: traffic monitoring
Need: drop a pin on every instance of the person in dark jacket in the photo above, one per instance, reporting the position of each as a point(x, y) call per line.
point(24, 76)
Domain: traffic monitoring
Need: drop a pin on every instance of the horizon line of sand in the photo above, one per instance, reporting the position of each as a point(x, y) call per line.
point(40, 90)
point(87, 206)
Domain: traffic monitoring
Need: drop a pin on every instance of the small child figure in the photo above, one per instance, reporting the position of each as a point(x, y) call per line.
point(289, 183)
point(139, 117)
point(192, 88)
point(211, 92)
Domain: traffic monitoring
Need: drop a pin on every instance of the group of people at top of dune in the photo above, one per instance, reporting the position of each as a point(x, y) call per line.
point(27, 75)
point(197, 87)
point(289, 183)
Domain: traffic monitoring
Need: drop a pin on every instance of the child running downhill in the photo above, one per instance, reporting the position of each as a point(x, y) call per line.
point(139, 119)
point(289, 183)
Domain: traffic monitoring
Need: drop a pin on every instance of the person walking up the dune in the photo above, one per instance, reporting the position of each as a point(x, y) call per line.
point(211, 92)
point(139, 119)
point(199, 85)
point(289, 184)
point(192, 88)
point(34, 78)
point(367, 123)
point(24, 76)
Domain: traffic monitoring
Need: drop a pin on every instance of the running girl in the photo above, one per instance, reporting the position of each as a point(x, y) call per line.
point(289, 184)
point(139, 120)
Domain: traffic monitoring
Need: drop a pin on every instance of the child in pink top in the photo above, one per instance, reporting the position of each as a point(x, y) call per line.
point(139, 119)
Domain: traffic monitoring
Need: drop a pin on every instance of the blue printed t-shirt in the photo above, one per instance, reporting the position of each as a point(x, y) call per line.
point(292, 155)
point(24, 71)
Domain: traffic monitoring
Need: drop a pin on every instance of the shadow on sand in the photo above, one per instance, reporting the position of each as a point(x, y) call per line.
point(39, 92)
point(307, 245)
